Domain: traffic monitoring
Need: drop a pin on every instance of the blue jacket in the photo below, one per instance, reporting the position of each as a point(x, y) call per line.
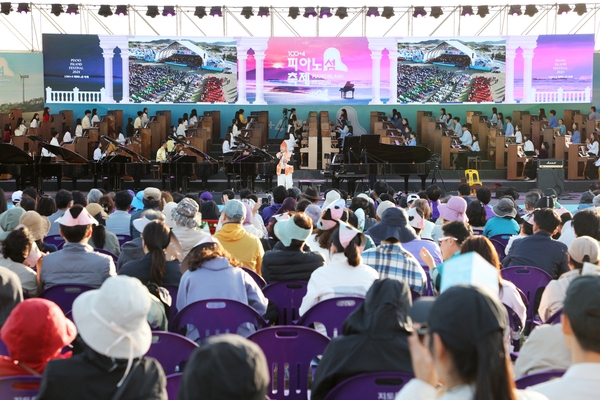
point(541, 251)
point(500, 226)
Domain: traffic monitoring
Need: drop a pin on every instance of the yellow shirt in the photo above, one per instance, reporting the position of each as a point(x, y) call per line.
point(243, 246)
point(161, 155)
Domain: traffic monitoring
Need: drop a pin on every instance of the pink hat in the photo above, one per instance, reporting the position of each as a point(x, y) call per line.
point(84, 218)
point(454, 209)
point(415, 218)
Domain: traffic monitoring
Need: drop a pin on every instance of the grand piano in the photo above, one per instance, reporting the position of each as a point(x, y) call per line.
point(19, 164)
point(73, 165)
point(117, 165)
point(183, 164)
point(249, 161)
point(363, 156)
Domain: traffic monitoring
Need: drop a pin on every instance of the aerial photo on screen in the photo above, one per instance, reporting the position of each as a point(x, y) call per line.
point(182, 70)
point(451, 70)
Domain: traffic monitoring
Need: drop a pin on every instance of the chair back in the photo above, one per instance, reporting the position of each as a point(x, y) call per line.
point(555, 318)
point(65, 294)
point(529, 280)
point(287, 296)
point(216, 316)
point(500, 248)
point(289, 351)
point(108, 253)
point(516, 325)
point(171, 350)
point(331, 313)
point(212, 225)
point(371, 385)
point(257, 278)
point(173, 382)
point(124, 239)
point(540, 377)
point(55, 240)
point(19, 387)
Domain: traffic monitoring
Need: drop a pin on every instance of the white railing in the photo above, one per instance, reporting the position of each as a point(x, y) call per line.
point(562, 96)
point(74, 96)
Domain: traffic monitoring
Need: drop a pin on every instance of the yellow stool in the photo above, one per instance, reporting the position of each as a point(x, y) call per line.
point(472, 176)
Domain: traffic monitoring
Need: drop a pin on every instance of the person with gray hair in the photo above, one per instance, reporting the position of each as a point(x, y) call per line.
point(134, 249)
point(531, 198)
point(243, 246)
point(94, 195)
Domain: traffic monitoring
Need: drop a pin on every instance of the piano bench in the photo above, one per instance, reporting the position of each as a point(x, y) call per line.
point(474, 160)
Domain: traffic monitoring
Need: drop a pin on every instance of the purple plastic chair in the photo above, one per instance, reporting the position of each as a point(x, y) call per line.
point(500, 249)
point(296, 347)
point(516, 325)
point(108, 253)
point(540, 377)
point(56, 240)
point(173, 292)
point(529, 280)
point(332, 313)
point(123, 239)
point(371, 385)
point(216, 316)
point(171, 350)
point(288, 298)
point(19, 387)
point(429, 290)
point(555, 318)
point(257, 278)
point(173, 382)
point(65, 295)
point(3, 348)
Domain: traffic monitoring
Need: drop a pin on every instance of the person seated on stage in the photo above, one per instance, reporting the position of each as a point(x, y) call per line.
point(98, 154)
point(235, 131)
point(344, 130)
point(67, 138)
point(528, 147)
point(561, 129)
point(145, 117)
point(53, 142)
point(181, 130)
point(46, 114)
point(86, 122)
point(161, 153)
point(35, 121)
point(509, 130)
point(129, 129)
point(443, 116)
point(138, 121)
point(518, 135)
point(542, 153)
point(227, 150)
point(450, 122)
point(457, 128)
point(575, 135)
point(552, 121)
point(494, 118)
point(121, 137)
point(193, 122)
point(7, 134)
point(21, 128)
point(78, 128)
point(466, 139)
point(500, 121)
point(542, 115)
point(95, 117)
point(593, 116)
point(413, 139)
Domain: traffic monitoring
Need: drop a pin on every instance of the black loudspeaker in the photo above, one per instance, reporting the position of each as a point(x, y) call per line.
point(551, 178)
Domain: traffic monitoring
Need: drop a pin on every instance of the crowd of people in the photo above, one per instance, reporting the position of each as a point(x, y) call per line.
point(212, 90)
point(481, 90)
point(161, 84)
point(432, 84)
point(387, 247)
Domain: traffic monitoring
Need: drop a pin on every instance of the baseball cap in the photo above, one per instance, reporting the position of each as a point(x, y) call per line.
point(384, 206)
point(415, 219)
point(234, 210)
point(412, 197)
point(16, 196)
point(584, 246)
point(151, 193)
point(586, 198)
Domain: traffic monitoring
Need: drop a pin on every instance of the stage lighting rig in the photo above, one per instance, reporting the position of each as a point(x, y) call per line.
point(105, 11)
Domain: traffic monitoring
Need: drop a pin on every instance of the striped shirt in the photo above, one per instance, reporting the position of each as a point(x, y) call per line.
point(394, 262)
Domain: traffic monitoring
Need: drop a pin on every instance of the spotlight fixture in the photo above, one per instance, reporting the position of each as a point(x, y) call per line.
point(105, 11)
point(482, 11)
point(168, 11)
point(436, 12)
point(373, 12)
point(247, 12)
point(580, 9)
point(72, 9)
point(152, 11)
point(467, 11)
point(5, 8)
point(341, 12)
point(200, 12)
point(309, 12)
point(121, 10)
point(216, 11)
point(531, 10)
point(294, 12)
point(388, 12)
point(325, 12)
point(515, 11)
point(418, 12)
point(57, 9)
point(563, 8)
point(263, 12)
point(23, 8)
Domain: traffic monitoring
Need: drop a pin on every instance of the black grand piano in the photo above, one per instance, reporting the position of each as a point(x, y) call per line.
point(116, 165)
point(182, 165)
point(19, 164)
point(249, 161)
point(72, 165)
point(363, 156)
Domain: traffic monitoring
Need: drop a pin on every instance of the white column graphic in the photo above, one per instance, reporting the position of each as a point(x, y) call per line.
point(108, 54)
point(259, 57)
point(509, 91)
point(527, 75)
point(376, 84)
point(393, 57)
point(242, 56)
point(125, 74)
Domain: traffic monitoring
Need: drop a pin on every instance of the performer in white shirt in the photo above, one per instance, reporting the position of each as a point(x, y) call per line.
point(53, 142)
point(98, 154)
point(86, 122)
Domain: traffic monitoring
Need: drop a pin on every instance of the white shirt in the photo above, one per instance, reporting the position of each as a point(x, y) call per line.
point(34, 123)
point(593, 148)
point(193, 121)
point(20, 131)
point(475, 146)
point(98, 155)
point(95, 118)
point(337, 279)
point(567, 234)
point(581, 382)
point(121, 138)
point(85, 122)
point(417, 389)
point(544, 350)
point(144, 119)
point(528, 146)
point(181, 130)
point(79, 131)
point(67, 138)
point(46, 153)
point(519, 137)
point(555, 293)
point(226, 147)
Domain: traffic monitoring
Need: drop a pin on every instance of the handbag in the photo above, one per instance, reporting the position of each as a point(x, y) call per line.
point(119, 393)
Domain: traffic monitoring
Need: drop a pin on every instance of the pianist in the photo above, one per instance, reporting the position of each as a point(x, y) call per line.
point(227, 150)
point(78, 128)
point(86, 123)
point(53, 142)
point(98, 154)
point(67, 138)
point(181, 130)
point(161, 154)
point(21, 128)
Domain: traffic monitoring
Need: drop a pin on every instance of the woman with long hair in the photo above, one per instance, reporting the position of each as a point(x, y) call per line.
point(463, 348)
point(46, 114)
point(101, 238)
point(154, 266)
point(592, 149)
point(35, 121)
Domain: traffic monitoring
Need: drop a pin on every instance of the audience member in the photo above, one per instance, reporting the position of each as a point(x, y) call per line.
point(113, 336)
point(393, 221)
point(76, 262)
point(484, 195)
point(11, 293)
point(150, 200)
point(279, 195)
point(312, 195)
point(38, 228)
point(187, 222)
point(35, 333)
point(15, 251)
point(27, 203)
point(423, 205)
point(79, 198)
point(46, 206)
point(453, 210)
point(93, 196)
point(544, 350)
point(433, 194)
point(134, 249)
point(503, 222)
point(64, 200)
point(476, 215)
point(417, 220)
point(225, 367)
point(119, 221)
point(464, 191)
point(243, 246)
point(344, 274)
point(9, 221)
point(540, 250)
point(102, 238)
point(374, 338)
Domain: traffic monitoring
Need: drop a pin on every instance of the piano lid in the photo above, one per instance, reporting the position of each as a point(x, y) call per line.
point(366, 148)
point(66, 154)
point(11, 154)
